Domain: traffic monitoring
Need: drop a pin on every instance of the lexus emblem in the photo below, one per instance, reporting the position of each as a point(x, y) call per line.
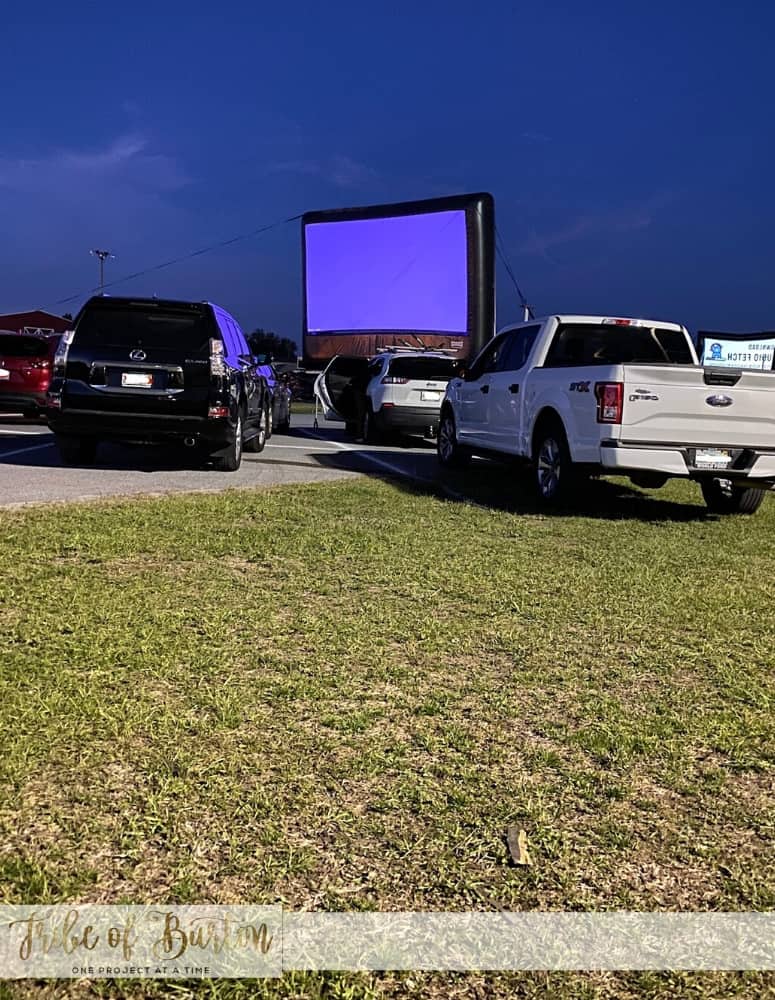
point(719, 400)
point(137, 355)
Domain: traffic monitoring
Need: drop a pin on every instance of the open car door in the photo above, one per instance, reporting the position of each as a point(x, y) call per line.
point(334, 388)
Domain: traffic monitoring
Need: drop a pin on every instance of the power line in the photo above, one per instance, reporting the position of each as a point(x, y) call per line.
point(499, 246)
point(178, 260)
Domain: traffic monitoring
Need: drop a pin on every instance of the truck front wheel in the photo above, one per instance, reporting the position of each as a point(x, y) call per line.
point(723, 497)
point(449, 452)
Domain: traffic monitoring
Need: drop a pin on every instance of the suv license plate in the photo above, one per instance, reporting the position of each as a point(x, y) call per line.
point(137, 379)
point(4, 373)
point(712, 458)
point(430, 396)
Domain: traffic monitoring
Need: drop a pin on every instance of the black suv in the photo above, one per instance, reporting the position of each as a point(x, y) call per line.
point(153, 371)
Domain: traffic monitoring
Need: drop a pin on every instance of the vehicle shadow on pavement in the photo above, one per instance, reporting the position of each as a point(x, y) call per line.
point(507, 487)
point(43, 453)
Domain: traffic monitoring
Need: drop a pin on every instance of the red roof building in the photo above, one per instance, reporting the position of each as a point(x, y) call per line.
point(36, 321)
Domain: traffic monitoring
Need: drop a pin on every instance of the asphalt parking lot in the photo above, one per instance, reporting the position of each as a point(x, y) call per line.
point(32, 472)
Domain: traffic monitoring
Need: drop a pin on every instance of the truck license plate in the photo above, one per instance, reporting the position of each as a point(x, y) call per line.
point(137, 379)
point(712, 458)
point(430, 396)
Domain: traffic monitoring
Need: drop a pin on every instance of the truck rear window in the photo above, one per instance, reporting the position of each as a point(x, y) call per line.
point(583, 344)
point(12, 346)
point(441, 369)
point(146, 326)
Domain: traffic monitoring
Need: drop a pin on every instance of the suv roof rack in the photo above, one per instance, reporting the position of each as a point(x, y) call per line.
point(395, 349)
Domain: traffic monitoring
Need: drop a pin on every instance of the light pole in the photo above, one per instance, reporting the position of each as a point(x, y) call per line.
point(103, 255)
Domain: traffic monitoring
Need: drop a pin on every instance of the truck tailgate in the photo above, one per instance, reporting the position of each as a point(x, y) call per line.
point(691, 405)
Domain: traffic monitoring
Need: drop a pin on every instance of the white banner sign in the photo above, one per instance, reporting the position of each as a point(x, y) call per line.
point(209, 942)
point(752, 354)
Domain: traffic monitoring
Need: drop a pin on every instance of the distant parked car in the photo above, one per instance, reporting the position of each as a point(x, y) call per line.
point(25, 371)
point(279, 387)
point(397, 390)
point(151, 370)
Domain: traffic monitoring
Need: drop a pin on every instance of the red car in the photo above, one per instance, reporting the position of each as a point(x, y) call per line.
point(25, 371)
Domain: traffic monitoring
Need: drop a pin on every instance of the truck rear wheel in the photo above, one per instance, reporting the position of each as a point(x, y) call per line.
point(648, 480)
point(723, 497)
point(553, 472)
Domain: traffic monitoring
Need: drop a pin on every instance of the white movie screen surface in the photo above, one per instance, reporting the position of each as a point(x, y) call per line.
point(756, 353)
point(408, 274)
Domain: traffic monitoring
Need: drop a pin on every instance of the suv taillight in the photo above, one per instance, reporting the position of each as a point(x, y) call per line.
point(610, 398)
point(60, 358)
point(217, 360)
point(394, 380)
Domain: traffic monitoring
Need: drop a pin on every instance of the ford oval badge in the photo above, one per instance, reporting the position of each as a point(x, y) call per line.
point(719, 400)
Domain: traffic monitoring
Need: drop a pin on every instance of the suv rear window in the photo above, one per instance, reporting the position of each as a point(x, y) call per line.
point(145, 326)
point(23, 347)
point(347, 367)
point(587, 345)
point(423, 368)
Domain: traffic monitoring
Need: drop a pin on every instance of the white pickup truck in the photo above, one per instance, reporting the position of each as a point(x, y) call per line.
point(589, 395)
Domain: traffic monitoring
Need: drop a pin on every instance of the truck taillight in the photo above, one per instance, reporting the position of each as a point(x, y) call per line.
point(610, 399)
point(60, 357)
point(217, 360)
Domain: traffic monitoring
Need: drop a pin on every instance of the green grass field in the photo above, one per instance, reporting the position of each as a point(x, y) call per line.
point(339, 697)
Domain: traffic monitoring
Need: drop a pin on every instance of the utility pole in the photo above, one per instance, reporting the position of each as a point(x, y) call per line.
point(103, 255)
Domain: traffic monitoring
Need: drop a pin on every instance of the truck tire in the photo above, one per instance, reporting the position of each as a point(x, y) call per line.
point(75, 450)
point(231, 459)
point(554, 476)
point(448, 451)
point(258, 442)
point(723, 497)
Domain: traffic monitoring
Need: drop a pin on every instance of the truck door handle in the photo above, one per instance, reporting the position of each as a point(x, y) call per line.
point(484, 388)
point(514, 387)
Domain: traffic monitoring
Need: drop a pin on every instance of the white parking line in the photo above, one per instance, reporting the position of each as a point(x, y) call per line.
point(299, 447)
point(398, 471)
point(334, 444)
point(395, 469)
point(13, 433)
point(23, 451)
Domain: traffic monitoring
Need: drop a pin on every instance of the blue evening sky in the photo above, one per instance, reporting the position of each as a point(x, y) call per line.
point(629, 146)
